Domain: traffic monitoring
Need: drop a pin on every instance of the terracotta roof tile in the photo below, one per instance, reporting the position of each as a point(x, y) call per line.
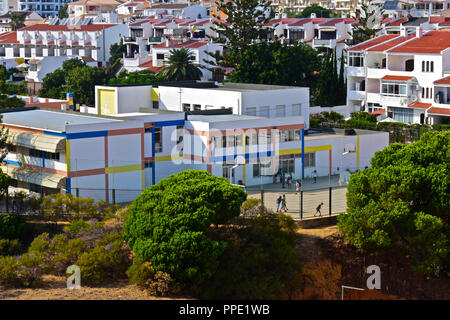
point(437, 110)
point(420, 105)
point(373, 42)
point(445, 80)
point(397, 78)
point(430, 42)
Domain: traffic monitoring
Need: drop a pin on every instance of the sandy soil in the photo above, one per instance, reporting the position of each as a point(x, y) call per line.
point(54, 288)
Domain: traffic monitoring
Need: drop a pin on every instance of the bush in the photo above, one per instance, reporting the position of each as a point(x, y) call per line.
point(161, 285)
point(363, 116)
point(8, 271)
point(12, 226)
point(140, 272)
point(253, 207)
point(259, 262)
point(107, 260)
point(76, 226)
point(9, 247)
point(24, 272)
point(169, 223)
point(315, 122)
point(360, 124)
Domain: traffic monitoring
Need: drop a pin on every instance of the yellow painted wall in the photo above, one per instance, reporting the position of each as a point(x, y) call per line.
point(155, 94)
point(107, 101)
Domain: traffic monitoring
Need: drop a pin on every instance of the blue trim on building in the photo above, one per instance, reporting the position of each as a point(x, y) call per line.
point(15, 163)
point(153, 155)
point(91, 134)
point(68, 185)
point(169, 123)
point(43, 159)
point(57, 134)
point(257, 155)
point(303, 153)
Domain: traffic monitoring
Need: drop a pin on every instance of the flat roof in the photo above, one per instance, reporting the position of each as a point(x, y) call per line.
point(51, 120)
point(222, 118)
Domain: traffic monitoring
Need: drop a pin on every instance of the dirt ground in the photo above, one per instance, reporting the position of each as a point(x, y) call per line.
point(330, 263)
point(54, 288)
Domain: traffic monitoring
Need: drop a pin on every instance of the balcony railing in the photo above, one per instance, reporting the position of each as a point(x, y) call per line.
point(324, 43)
point(129, 39)
point(154, 39)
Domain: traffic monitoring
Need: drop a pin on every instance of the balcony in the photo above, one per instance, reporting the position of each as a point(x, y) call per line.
point(129, 39)
point(373, 97)
point(356, 95)
point(356, 71)
point(152, 40)
point(329, 43)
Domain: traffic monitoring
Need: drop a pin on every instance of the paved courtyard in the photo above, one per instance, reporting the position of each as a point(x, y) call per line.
point(313, 195)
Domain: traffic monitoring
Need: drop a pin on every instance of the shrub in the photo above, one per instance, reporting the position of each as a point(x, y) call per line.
point(161, 284)
point(140, 272)
point(12, 226)
point(109, 259)
point(253, 207)
point(8, 271)
point(169, 222)
point(76, 226)
point(9, 247)
point(363, 116)
point(315, 122)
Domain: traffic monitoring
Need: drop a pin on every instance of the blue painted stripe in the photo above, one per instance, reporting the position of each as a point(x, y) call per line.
point(68, 185)
point(153, 155)
point(247, 156)
point(58, 134)
point(15, 163)
point(91, 134)
point(169, 123)
point(303, 153)
point(43, 159)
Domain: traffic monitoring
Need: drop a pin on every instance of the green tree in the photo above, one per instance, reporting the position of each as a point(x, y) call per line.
point(341, 86)
point(324, 86)
point(278, 64)
point(7, 102)
point(142, 76)
point(363, 116)
point(402, 203)
point(244, 25)
point(180, 66)
point(53, 85)
point(62, 12)
point(320, 12)
point(17, 21)
point(369, 23)
point(169, 224)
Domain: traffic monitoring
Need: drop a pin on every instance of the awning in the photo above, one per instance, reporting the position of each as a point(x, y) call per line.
point(46, 179)
point(37, 141)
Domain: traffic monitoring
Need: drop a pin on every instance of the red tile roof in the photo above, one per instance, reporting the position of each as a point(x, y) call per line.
point(9, 37)
point(379, 111)
point(372, 42)
point(149, 20)
point(48, 27)
point(332, 22)
point(280, 21)
point(445, 80)
point(397, 78)
point(149, 66)
point(397, 22)
point(434, 20)
point(430, 42)
point(437, 110)
point(390, 44)
point(300, 22)
point(420, 105)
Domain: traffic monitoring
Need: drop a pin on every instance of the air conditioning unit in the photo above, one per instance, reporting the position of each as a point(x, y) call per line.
point(403, 101)
point(414, 98)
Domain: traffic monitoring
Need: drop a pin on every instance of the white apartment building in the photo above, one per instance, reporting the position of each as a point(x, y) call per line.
point(267, 101)
point(43, 40)
point(45, 8)
point(403, 76)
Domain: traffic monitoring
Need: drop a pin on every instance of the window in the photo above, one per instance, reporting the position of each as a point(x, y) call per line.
point(427, 66)
point(356, 59)
point(310, 159)
point(432, 66)
point(290, 135)
point(404, 115)
point(197, 107)
point(155, 104)
point(147, 130)
point(43, 154)
point(147, 164)
point(296, 110)
point(160, 56)
point(261, 169)
point(423, 66)
point(287, 163)
point(158, 139)
point(186, 107)
point(180, 135)
point(250, 111)
point(264, 111)
point(393, 88)
point(281, 111)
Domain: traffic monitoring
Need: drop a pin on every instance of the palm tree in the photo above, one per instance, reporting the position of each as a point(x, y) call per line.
point(17, 21)
point(180, 66)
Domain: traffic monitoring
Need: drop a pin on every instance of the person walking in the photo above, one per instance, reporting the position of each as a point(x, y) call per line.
point(289, 180)
point(318, 209)
point(298, 185)
point(283, 180)
point(278, 203)
point(283, 204)
point(315, 176)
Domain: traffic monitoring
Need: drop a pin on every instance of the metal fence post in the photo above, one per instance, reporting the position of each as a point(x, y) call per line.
point(77, 192)
point(329, 209)
point(301, 205)
point(114, 196)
